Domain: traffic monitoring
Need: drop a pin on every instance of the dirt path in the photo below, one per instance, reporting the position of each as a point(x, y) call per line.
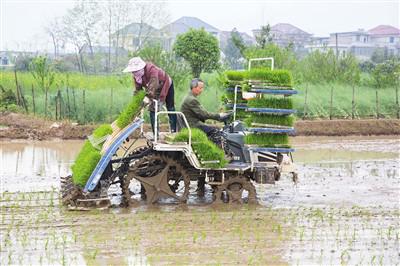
point(20, 126)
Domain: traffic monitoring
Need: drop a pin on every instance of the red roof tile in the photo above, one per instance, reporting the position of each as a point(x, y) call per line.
point(384, 30)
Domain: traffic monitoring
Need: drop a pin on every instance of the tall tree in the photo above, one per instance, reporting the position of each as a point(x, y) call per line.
point(55, 30)
point(200, 49)
point(81, 27)
point(264, 37)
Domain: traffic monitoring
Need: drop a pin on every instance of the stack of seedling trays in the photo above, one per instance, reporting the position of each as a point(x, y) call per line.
point(271, 111)
point(236, 82)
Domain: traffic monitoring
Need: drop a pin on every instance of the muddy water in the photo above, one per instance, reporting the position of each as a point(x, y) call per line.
point(344, 210)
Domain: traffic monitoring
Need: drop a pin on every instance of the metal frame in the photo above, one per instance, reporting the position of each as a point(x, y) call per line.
point(262, 59)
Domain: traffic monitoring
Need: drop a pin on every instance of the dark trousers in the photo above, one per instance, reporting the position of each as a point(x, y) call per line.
point(170, 104)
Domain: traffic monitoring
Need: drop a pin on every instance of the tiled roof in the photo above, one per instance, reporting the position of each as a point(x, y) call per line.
point(135, 28)
point(185, 23)
point(384, 30)
point(287, 28)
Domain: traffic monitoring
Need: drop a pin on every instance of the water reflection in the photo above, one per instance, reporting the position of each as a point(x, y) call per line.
point(28, 166)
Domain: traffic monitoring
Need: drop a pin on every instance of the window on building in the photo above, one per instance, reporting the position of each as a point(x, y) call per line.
point(391, 39)
point(358, 38)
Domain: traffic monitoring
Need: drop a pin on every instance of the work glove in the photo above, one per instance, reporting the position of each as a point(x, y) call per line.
point(225, 116)
point(146, 100)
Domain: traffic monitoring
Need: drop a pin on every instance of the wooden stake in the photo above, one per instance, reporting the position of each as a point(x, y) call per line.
point(305, 103)
point(353, 104)
point(397, 101)
point(331, 105)
point(84, 107)
point(33, 100)
point(377, 104)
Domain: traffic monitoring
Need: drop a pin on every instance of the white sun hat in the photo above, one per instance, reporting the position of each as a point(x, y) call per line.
point(135, 64)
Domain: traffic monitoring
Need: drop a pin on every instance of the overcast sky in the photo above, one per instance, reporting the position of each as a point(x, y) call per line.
point(22, 21)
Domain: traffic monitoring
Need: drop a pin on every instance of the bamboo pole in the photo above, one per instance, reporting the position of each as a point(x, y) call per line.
point(17, 87)
point(377, 104)
point(111, 104)
point(331, 104)
point(56, 106)
point(84, 107)
point(397, 101)
point(74, 98)
point(353, 104)
point(305, 103)
point(68, 105)
point(59, 104)
point(33, 100)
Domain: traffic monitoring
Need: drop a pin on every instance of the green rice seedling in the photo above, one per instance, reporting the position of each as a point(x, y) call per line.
point(271, 102)
point(270, 120)
point(203, 147)
point(276, 77)
point(236, 75)
point(267, 140)
point(88, 157)
point(131, 110)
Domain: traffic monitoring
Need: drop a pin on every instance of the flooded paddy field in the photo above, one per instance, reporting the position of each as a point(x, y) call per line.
point(343, 211)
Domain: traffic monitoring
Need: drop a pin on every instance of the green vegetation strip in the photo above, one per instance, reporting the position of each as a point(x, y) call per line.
point(277, 77)
point(270, 120)
point(268, 140)
point(271, 102)
point(88, 158)
point(205, 149)
point(132, 110)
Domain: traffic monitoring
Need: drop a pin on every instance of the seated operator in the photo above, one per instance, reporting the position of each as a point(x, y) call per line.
point(196, 116)
point(195, 113)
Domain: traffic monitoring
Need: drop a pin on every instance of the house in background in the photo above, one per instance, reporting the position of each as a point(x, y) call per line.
point(387, 37)
point(284, 34)
point(169, 32)
point(134, 36)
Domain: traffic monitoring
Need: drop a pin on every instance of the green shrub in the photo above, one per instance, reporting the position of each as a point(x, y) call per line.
point(270, 120)
point(131, 111)
point(267, 140)
point(205, 149)
point(271, 102)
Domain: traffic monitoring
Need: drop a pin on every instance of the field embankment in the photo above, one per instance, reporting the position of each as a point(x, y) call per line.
point(20, 126)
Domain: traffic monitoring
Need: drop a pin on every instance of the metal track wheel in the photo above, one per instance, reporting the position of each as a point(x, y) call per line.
point(233, 191)
point(161, 177)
